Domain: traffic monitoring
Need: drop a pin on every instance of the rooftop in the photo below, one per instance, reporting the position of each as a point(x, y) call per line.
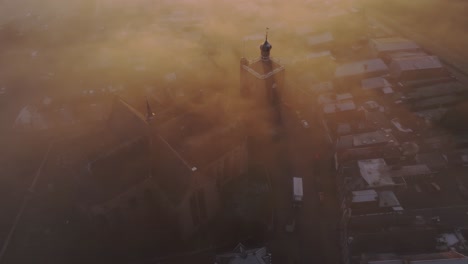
point(393, 44)
point(406, 54)
point(435, 90)
point(263, 69)
point(432, 114)
point(371, 138)
point(191, 136)
point(377, 173)
point(339, 106)
point(368, 139)
point(377, 120)
point(373, 172)
point(436, 102)
point(361, 67)
point(364, 196)
point(434, 160)
point(320, 39)
point(128, 150)
point(375, 83)
point(417, 63)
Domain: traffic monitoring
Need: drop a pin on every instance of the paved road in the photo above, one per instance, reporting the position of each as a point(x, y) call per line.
point(314, 239)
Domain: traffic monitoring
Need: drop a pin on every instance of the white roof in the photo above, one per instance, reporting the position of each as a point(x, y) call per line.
point(450, 239)
point(388, 199)
point(364, 196)
point(387, 90)
point(417, 63)
point(375, 172)
point(393, 44)
point(297, 184)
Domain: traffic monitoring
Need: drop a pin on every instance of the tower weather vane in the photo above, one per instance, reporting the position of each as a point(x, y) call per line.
point(266, 33)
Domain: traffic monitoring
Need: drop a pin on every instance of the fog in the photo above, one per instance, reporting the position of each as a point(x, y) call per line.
point(59, 49)
point(150, 48)
point(90, 43)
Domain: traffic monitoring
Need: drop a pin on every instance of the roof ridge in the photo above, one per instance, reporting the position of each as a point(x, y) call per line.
point(132, 109)
point(191, 168)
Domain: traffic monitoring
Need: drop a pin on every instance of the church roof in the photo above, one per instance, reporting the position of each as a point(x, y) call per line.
point(191, 135)
point(128, 150)
point(263, 69)
point(266, 46)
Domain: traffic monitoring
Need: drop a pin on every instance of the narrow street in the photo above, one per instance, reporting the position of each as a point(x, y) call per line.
point(304, 153)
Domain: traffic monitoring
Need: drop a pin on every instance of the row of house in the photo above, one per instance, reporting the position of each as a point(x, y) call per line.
point(398, 168)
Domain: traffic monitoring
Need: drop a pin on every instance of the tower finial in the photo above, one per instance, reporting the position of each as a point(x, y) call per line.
point(265, 48)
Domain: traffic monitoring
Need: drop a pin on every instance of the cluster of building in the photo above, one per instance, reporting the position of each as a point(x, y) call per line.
point(400, 157)
point(169, 171)
point(400, 162)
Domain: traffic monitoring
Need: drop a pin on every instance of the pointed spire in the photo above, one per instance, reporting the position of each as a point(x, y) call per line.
point(265, 48)
point(149, 112)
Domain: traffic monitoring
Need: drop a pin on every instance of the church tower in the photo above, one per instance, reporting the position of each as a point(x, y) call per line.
point(262, 78)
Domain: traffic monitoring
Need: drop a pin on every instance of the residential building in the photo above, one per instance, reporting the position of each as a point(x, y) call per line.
point(432, 96)
point(375, 139)
point(403, 70)
point(323, 41)
point(384, 47)
point(378, 85)
point(350, 74)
